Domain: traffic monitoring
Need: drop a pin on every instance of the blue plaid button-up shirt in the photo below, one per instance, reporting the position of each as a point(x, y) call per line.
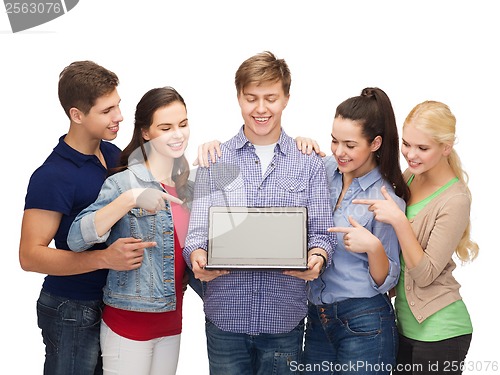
point(255, 302)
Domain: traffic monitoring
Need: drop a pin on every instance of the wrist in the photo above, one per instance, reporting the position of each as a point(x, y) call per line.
point(323, 267)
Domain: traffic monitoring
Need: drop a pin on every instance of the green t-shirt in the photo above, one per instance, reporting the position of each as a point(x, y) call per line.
point(455, 315)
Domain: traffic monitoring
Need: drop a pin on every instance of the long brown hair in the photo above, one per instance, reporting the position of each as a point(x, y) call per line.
point(135, 151)
point(373, 110)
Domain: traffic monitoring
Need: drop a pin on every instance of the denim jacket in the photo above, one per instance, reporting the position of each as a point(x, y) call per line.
point(151, 287)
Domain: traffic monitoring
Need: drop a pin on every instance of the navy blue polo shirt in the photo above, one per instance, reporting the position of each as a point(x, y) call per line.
point(67, 182)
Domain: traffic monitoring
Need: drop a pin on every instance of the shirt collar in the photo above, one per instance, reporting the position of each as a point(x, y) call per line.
point(67, 152)
point(283, 145)
point(141, 172)
point(370, 178)
point(367, 180)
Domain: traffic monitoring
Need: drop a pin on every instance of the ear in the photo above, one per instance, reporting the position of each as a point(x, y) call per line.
point(447, 150)
point(76, 115)
point(376, 143)
point(287, 98)
point(145, 134)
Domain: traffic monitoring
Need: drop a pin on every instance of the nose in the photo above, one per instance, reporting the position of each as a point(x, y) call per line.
point(338, 149)
point(118, 116)
point(410, 153)
point(261, 106)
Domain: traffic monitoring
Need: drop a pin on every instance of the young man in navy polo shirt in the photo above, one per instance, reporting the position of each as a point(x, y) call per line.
point(69, 306)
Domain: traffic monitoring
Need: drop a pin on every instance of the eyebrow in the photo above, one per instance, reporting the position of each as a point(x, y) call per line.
point(170, 124)
point(111, 106)
point(266, 96)
point(345, 141)
point(405, 141)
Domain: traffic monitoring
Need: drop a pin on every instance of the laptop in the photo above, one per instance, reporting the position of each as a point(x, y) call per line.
point(257, 238)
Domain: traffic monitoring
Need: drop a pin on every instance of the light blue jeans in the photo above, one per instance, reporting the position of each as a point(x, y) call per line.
point(70, 331)
point(264, 354)
point(355, 336)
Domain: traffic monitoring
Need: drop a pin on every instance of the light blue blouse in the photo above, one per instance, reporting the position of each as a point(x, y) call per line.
point(349, 276)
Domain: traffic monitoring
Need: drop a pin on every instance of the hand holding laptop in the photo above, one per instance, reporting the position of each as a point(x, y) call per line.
point(199, 261)
point(315, 266)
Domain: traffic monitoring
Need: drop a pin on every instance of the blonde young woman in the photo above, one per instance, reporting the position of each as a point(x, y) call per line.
point(434, 324)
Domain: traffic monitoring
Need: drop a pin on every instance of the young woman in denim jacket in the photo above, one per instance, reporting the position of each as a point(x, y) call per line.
point(146, 199)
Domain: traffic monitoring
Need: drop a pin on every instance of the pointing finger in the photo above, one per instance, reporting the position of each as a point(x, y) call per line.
point(365, 201)
point(340, 229)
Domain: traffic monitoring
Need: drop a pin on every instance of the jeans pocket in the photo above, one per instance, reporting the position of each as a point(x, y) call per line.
point(50, 324)
point(364, 325)
point(284, 362)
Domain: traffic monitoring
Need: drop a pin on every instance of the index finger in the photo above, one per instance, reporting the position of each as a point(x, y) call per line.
point(365, 201)
point(340, 229)
point(145, 244)
point(171, 198)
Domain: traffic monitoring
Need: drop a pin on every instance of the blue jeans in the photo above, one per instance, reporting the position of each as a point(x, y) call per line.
point(355, 336)
point(70, 331)
point(241, 354)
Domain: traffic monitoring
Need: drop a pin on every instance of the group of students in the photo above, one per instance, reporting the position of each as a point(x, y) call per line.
point(373, 233)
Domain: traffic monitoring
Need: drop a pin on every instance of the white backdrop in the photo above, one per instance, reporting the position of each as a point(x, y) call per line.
point(414, 50)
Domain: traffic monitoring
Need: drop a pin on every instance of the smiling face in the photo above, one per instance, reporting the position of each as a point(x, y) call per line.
point(261, 107)
point(169, 131)
point(354, 154)
point(422, 153)
point(104, 117)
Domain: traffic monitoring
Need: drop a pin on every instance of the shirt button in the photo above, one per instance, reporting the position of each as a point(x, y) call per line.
point(412, 303)
point(408, 288)
point(419, 317)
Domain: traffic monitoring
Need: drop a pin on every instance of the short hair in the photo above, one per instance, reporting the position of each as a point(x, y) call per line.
point(82, 82)
point(261, 68)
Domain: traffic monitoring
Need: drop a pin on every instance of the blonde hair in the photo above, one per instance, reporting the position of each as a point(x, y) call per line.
point(437, 121)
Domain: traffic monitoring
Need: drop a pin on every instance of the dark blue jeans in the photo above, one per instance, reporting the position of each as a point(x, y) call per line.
point(265, 354)
point(70, 331)
point(355, 336)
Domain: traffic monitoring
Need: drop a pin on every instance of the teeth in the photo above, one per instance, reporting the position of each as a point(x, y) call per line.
point(261, 118)
point(175, 144)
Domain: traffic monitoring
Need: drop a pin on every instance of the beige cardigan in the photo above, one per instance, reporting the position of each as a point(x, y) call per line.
point(439, 226)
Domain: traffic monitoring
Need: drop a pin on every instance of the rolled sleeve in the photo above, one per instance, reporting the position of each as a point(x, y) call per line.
point(319, 211)
point(197, 236)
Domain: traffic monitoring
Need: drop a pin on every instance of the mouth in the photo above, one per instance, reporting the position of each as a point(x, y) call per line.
point(342, 162)
point(413, 164)
point(176, 146)
point(114, 128)
point(262, 120)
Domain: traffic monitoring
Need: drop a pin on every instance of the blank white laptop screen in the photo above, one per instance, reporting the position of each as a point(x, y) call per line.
point(257, 238)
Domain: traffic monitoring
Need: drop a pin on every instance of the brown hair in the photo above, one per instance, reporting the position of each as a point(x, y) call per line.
point(135, 151)
point(373, 111)
point(82, 82)
point(260, 68)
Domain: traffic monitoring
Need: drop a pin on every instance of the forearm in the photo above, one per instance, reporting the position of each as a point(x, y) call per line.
point(378, 263)
point(51, 261)
point(410, 247)
point(108, 215)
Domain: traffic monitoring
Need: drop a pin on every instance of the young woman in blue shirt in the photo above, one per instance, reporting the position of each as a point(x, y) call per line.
point(351, 323)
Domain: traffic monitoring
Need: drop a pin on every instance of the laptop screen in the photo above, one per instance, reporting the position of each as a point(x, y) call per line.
point(257, 237)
